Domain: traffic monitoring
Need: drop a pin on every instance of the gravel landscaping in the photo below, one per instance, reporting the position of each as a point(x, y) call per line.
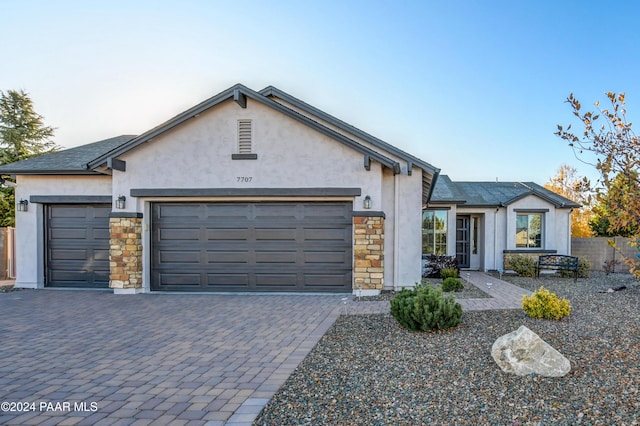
point(367, 370)
point(468, 292)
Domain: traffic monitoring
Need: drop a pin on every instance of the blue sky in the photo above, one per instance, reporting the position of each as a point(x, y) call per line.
point(475, 88)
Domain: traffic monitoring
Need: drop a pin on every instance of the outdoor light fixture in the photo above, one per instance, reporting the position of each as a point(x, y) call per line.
point(120, 202)
point(367, 202)
point(23, 205)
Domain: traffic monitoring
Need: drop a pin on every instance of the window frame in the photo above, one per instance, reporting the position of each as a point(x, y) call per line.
point(438, 242)
point(539, 240)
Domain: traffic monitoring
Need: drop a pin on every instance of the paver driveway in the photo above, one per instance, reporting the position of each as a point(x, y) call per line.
point(150, 358)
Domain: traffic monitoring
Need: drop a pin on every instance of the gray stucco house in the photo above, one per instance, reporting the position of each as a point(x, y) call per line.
point(256, 192)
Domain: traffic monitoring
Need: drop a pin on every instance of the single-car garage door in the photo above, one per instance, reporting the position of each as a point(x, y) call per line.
point(77, 245)
point(302, 247)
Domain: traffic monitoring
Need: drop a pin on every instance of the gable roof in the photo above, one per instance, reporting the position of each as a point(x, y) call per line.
point(493, 194)
point(69, 161)
point(98, 155)
point(429, 177)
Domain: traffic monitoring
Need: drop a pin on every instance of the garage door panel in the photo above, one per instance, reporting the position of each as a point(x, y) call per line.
point(279, 212)
point(326, 212)
point(227, 234)
point(326, 257)
point(77, 245)
point(256, 246)
point(329, 234)
point(269, 234)
point(324, 280)
point(226, 279)
point(274, 257)
point(276, 280)
point(68, 234)
point(184, 279)
point(228, 256)
point(184, 256)
point(171, 234)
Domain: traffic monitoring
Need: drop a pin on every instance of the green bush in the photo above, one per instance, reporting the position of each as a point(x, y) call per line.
point(452, 284)
point(543, 304)
point(523, 265)
point(425, 308)
point(584, 269)
point(448, 273)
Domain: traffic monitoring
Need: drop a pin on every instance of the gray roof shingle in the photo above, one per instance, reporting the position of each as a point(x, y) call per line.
point(492, 194)
point(69, 161)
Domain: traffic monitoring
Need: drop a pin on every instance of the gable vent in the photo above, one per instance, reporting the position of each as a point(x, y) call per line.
point(244, 136)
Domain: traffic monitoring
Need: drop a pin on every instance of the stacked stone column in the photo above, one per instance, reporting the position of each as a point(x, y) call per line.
point(125, 252)
point(368, 268)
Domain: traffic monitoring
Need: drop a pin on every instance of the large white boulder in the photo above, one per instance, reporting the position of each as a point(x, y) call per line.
point(523, 352)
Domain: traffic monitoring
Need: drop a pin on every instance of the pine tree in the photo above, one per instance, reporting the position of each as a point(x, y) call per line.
point(22, 135)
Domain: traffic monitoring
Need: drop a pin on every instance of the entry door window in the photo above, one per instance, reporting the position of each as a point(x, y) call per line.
point(462, 240)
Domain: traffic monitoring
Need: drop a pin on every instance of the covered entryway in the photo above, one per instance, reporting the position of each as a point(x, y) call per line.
point(77, 245)
point(263, 246)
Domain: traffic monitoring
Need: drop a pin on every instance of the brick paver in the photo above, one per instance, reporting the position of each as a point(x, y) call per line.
point(150, 358)
point(167, 358)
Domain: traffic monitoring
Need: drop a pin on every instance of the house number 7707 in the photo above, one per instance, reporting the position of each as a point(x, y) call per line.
point(244, 179)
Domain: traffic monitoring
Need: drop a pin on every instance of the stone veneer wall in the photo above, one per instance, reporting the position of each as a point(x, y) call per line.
point(368, 236)
point(125, 252)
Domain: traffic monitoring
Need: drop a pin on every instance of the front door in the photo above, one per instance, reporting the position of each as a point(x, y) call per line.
point(463, 240)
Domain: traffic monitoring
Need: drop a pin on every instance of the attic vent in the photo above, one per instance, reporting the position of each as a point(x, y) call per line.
point(244, 136)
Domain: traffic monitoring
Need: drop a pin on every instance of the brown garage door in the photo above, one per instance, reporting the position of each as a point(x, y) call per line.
point(302, 247)
point(77, 245)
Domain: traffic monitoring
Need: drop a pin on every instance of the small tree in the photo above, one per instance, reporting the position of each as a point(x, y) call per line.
point(609, 136)
point(573, 187)
point(22, 135)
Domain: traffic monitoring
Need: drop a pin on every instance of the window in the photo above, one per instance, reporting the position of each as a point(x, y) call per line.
point(434, 232)
point(245, 141)
point(529, 230)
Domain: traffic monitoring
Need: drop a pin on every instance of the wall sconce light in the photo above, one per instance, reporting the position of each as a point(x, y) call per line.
point(120, 202)
point(23, 205)
point(366, 203)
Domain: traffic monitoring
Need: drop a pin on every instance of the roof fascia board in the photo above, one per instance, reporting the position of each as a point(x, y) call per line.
point(274, 91)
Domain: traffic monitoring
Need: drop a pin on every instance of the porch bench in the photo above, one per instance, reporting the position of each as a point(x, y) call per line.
point(558, 262)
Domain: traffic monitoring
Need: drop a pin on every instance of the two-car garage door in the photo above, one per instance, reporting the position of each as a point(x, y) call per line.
point(298, 247)
point(252, 247)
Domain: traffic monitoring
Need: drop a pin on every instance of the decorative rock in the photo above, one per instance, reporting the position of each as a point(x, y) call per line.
point(523, 352)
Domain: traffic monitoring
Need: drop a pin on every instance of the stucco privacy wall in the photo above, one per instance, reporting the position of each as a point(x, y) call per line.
point(30, 238)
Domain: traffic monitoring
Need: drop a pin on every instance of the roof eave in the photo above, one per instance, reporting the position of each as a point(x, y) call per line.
point(274, 91)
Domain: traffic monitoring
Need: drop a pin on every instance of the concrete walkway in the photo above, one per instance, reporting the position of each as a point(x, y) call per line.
point(503, 296)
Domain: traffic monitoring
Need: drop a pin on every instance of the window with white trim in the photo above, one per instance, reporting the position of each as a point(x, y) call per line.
point(529, 228)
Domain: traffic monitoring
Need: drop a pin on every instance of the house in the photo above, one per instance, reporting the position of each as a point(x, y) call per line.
point(261, 192)
point(245, 192)
point(483, 224)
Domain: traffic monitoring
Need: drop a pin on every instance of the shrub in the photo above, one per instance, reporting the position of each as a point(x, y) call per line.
point(544, 304)
point(425, 308)
point(436, 263)
point(448, 273)
point(584, 269)
point(452, 284)
point(522, 265)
